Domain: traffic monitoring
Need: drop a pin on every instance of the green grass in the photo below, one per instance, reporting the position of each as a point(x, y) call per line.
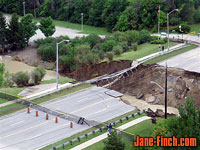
point(195, 28)
point(62, 80)
point(86, 28)
point(143, 129)
point(172, 54)
point(16, 107)
point(143, 50)
point(89, 130)
point(13, 91)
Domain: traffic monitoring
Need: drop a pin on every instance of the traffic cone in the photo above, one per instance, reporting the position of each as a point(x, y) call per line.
point(36, 113)
point(71, 125)
point(47, 116)
point(56, 119)
point(28, 110)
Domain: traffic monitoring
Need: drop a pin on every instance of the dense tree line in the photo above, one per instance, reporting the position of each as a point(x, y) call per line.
point(17, 32)
point(113, 14)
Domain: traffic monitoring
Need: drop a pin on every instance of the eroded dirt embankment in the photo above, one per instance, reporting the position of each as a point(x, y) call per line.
point(89, 72)
point(147, 83)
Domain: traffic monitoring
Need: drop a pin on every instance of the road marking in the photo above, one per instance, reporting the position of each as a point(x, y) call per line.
point(91, 105)
point(16, 123)
point(25, 129)
point(83, 99)
point(96, 112)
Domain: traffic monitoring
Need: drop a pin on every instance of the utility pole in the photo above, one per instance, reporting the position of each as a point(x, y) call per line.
point(166, 92)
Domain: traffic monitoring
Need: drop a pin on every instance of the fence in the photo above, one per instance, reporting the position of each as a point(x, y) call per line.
point(100, 128)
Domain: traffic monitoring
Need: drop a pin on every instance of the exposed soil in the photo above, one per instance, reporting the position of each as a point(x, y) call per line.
point(181, 84)
point(29, 56)
point(89, 72)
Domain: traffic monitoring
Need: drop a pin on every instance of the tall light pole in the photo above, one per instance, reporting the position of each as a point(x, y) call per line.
point(24, 8)
point(168, 24)
point(159, 20)
point(57, 75)
point(82, 22)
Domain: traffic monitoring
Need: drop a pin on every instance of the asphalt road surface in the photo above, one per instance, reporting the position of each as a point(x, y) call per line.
point(188, 61)
point(27, 132)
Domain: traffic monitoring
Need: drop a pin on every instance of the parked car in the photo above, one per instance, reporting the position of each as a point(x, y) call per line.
point(163, 34)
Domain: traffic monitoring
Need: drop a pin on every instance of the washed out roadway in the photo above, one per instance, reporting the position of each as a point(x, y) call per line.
point(27, 132)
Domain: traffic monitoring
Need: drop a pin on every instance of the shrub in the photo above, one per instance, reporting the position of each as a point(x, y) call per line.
point(108, 45)
point(36, 77)
point(119, 36)
point(67, 62)
point(45, 41)
point(38, 74)
point(42, 71)
point(21, 79)
point(93, 39)
point(125, 46)
point(144, 37)
point(161, 41)
point(134, 46)
point(47, 51)
point(117, 50)
point(132, 36)
point(110, 56)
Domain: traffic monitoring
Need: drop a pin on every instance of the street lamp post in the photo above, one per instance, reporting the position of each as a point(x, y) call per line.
point(24, 8)
point(57, 74)
point(168, 24)
point(180, 27)
point(82, 22)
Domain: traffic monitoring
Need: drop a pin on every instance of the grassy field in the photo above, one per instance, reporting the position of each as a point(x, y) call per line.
point(16, 107)
point(143, 50)
point(143, 129)
point(89, 130)
point(62, 80)
point(13, 91)
point(172, 54)
point(86, 28)
point(195, 28)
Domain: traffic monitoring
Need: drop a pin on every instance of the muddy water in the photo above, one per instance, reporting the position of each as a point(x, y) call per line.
point(15, 66)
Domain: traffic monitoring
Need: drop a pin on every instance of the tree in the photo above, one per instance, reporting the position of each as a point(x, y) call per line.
point(47, 27)
point(28, 26)
point(15, 37)
point(95, 13)
point(114, 142)
point(187, 124)
point(3, 29)
point(112, 12)
point(149, 12)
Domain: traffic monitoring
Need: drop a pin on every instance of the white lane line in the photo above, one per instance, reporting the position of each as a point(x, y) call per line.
point(96, 112)
point(82, 99)
point(16, 123)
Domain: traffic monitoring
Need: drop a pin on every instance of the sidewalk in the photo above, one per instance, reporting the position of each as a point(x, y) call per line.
point(179, 46)
point(105, 135)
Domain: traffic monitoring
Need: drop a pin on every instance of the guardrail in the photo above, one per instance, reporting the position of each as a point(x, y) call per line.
point(100, 129)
